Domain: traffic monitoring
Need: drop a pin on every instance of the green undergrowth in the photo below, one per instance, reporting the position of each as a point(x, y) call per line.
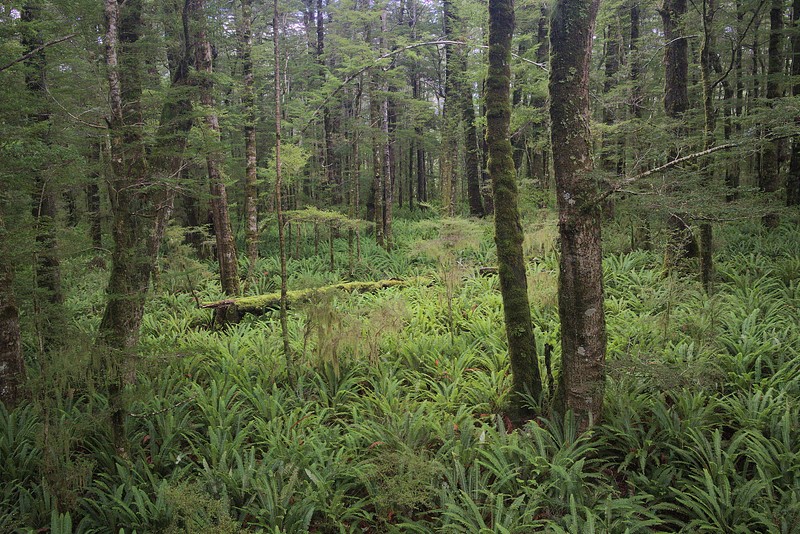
point(388, 417)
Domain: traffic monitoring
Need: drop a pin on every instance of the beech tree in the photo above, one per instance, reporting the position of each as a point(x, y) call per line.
point(580, 281)
point(508, 230)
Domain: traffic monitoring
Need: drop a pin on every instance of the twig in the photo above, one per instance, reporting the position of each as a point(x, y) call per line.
point(37, 50)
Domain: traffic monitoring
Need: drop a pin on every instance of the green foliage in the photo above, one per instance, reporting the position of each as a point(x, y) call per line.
point(392, 419)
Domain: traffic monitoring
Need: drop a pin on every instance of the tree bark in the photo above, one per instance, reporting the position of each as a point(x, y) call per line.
point(287, 354)
point(793, 180)
point(132, 204)
point(470, 140)
point(450, 117)
point(49, 296)
point(676, 59)
point(769, 173)
point(12, 366)
point(226, 246)
point(508, 229)
point(580, 284)
point(249, 103)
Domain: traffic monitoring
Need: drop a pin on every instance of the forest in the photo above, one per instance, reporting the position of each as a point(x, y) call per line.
point(453, 266)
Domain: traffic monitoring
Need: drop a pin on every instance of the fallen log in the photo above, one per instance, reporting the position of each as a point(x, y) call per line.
point(260, 304)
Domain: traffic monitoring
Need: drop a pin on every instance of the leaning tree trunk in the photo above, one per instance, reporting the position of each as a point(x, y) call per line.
point(508, 229)
point(226, 245)
point(580, 283)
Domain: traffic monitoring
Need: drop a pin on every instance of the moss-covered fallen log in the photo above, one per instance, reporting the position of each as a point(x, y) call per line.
point(260, 304)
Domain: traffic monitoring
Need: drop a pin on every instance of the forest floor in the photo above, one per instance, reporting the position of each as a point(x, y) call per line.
point(388, 417)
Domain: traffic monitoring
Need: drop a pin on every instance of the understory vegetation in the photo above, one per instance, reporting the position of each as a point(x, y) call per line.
point(390, 418)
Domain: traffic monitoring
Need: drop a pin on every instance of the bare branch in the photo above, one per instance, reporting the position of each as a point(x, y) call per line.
point(619, 186)
point(37, 50)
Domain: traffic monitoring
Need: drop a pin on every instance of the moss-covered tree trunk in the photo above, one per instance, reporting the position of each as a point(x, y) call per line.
point(508, 229)
point(279, 189)
point(580, 284)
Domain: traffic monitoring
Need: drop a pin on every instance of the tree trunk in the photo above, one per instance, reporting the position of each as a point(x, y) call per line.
point(793, 180)
point(226, 246)
point(248, 101)
point(470, 141)
point(12, 366)
point(132, 204)
point(769, 173)
point(93, 196)
point(375, 118)
point(49, 296)
point(580, 283)
point(450, 118)
point(676, 59)
point(508, 230)
point(287, 354)
point(707, 55)
point(681, 243)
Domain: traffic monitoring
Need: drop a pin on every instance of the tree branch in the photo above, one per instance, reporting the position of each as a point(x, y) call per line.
point(37, 50)
point(670, 164)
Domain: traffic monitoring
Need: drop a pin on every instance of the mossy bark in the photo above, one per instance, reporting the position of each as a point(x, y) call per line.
point(260, 304)
point(580, 286)
point(508, 229)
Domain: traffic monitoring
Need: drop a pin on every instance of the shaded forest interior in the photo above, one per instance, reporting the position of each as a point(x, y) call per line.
point(362, 266)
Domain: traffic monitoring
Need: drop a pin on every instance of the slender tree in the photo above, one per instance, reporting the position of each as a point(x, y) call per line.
point(793, 180)
point(508, 229)
point(769, 173)
point(12, 366)
point(580, 283)
point(249, 103)
point(279, 185)
point(132, 205)
point(226, 245)
point(48, 264)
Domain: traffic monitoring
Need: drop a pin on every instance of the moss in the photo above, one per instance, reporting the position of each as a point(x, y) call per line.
point(259, 304)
